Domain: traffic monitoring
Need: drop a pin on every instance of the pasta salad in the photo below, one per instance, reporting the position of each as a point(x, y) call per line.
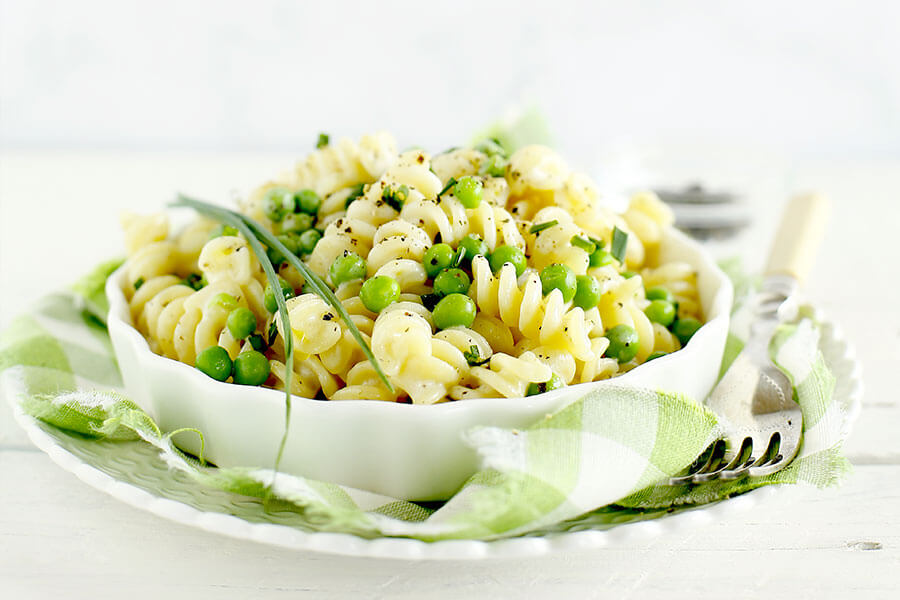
point(472, 273)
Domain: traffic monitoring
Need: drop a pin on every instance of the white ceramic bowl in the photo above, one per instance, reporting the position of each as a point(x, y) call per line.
point(400, 450)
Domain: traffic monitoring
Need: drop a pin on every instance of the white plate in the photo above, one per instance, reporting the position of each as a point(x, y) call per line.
point(132, 473)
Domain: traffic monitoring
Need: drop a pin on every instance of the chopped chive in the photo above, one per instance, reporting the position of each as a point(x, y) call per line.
point(358, 191)
point(583, 243)
point(323, 140)
point(619, 243)
point(450, 183)
point(395, 197)
point(138, 283)
point(257, 342)
point(459, 256)
point(542, 226)
point(195, 281)
point(597, 242)
point(473, 356)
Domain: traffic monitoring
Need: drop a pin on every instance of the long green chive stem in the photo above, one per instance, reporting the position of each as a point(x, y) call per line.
point(314, 281)
point(237, 221)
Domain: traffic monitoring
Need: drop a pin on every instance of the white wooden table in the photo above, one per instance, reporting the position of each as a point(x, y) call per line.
point(61, 538)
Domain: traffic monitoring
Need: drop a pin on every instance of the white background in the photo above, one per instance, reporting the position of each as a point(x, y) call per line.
point(106, 106)
point(810, 78)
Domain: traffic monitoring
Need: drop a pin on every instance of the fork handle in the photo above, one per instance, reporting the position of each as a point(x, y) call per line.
point(799, 236)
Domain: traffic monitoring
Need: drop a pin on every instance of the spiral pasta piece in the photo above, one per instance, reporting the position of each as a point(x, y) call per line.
point(345, 163)
point(509, 376)
point(548, 319)
point(402, 343)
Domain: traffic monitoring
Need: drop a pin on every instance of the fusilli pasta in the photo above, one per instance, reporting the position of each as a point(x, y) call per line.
point(540, 295)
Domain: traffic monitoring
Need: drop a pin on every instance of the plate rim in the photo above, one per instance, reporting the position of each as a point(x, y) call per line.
point(345, 544)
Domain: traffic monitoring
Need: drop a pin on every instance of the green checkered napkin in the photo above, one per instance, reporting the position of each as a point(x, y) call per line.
point(595, 460)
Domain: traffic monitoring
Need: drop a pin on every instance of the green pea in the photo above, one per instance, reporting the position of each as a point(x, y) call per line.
point(684, 329)
point(269, 296)
point(277, 202)
point(655, 355)
point(623, 343)
point(347, 267)
point(241, 322)
point(660, 293)
point(559, 277)
point(215, 362)
point(297, 223)
point(469, 191)
point(472, 246)
point(379, 292)
point(451, 281)
point(224, 300)
point(601, 258)
point(660, 311)
point(291, 241)
point(554, 383)
point(251, 368)
point(307, 201)
point(452, 310)
point(437, 258)
point(308, 240)
point(587, 292)
point(508, 254)
point(495, 166)
point(222, 230)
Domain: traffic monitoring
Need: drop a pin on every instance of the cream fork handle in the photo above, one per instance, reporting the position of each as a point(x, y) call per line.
point(799, 236)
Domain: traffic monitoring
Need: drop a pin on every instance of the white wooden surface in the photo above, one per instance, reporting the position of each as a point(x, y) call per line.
point(58, 537)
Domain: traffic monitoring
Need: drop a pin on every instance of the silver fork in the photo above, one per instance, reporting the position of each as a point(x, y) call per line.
point(754, 399)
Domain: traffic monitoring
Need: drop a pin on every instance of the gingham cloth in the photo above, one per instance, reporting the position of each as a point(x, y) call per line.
point(603, 454)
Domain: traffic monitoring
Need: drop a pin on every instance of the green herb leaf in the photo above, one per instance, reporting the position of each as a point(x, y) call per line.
point(243, 225)
point(138, 283)
point(358, 191)
point(323, 140)
point(619, 244)
point(395, 197)
point(450, 183)
point(539, 227)
point(257, 342)
point(195, 281)
point(583, 243)
point(458, 257)
point(473, 356)
point(272, 333)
